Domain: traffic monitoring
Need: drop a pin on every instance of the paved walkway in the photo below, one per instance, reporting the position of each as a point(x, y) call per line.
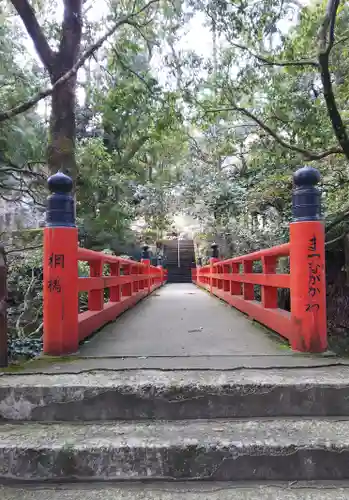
point(181, 320)
point(180, 327)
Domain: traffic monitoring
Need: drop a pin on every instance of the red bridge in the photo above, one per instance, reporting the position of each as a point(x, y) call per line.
point(232, 280)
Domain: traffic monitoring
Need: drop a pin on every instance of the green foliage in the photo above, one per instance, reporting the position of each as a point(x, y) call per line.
point(240, 179)
point(25, 294)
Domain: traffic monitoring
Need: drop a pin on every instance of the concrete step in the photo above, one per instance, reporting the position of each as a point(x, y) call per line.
point(185, 252)
point(182, 269)
point(183, 265)
point(178, 280)
point(180, 274)
point(182, 246)
point(217, 450)
point(178, 491)
point(176, 270)
point(186, 277)
point(173, 395)
point(174, 259)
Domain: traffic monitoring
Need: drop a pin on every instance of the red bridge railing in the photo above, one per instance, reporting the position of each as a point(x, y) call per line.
point(234, 280)
point(128, 281)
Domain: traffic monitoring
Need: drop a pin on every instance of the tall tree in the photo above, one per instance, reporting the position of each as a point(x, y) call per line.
point(62, 65)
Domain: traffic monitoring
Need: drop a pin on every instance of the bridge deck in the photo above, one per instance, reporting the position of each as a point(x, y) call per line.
point(180, 327)
point(181, 320)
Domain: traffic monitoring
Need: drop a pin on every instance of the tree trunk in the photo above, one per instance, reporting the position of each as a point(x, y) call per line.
point(3, 308)
point(326, 44)
point(346, 256)
point(61, 147)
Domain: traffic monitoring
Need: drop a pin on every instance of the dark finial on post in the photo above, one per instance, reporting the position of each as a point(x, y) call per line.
point(306, 199)
point(215, 253)
point(145, 252)
point(60, 204)
point(199, 261)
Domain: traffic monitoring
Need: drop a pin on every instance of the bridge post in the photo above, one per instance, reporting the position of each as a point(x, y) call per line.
point(196, 270)
point(307, 264)
point(213, 259)
point(159, 265)
point(145, 259)
point(60, 285)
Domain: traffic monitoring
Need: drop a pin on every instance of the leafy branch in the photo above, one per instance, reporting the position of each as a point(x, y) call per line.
point(272, 62)
point(326, 41)
point(309, 155)
point(11, 113)
point(27, 14)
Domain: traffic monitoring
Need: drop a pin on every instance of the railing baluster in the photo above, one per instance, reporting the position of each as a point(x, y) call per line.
point(227, 275)
point(96, 297)
point(269, 293)
point(114, 291)
point(221, 277)
point(235, 287)
point(248, 287)
point(127, 287)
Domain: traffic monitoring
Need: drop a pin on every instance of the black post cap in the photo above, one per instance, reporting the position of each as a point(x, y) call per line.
point(306, 199)
point(60, 204)
point(60, 183)
point(145, 252)
point(215, 252)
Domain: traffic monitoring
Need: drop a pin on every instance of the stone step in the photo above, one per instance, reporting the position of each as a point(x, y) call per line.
point(179, 278)
point(183, 263)
point(174, 260)
point(179, 274)
point(178, 491)
point(175, 269)
point(173, 395)
point(183, 252)
point(183, 266)
point(216, 450)
point(182, 247)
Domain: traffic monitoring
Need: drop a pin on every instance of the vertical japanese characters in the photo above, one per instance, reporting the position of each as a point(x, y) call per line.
point(314, 275)
point(55, 261)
